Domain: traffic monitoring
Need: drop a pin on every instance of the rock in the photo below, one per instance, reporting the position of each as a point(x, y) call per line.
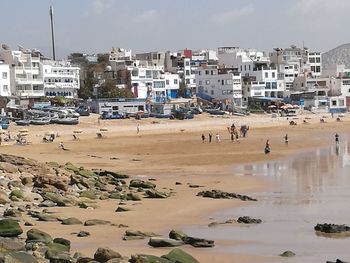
point(12, 213)
point(132, 235)
point(4, 199)
point(109, 173)
point(137, 183)
point(37, 236)
point(198, 242)
point(337, 261)
point(17, 193)
point(83, 234)
point(155, 194)
point(84, 260)
point(88, 194)
point(178, 255)
point(62, 241)
point(148, 259)
point(248, 220)
point(177, 234)
point(122, 209)
point(9, 244)
point(195, 186)
point(332, 228)
point(104, 254)
point(114, 195)
point(27, 180)
point(93, 222)
point(287, 254)
point(8, 167)
point(164, 242)
point(217, 194)
point(28, 223)
point(118, 260)
point(58, 199)
point(71, 167)
point(47, 203)
point(132, 197)
point(46, 217)
point(10, 228)
point(86, 173)
point(71, 221)
point(56, 256)
point(178, 183)
point(58, 182)
point(19, 257)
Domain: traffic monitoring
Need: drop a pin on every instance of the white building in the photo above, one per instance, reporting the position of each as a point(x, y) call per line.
point(60, 79)
point(315, 63)
point(274, 86)
point(220, 84)
point(4, 80)
point(189, 74)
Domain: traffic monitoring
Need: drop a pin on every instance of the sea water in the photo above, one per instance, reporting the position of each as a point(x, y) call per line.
point(311, 188)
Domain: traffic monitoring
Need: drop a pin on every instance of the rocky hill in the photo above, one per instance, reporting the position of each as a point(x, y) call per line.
point(338, 55)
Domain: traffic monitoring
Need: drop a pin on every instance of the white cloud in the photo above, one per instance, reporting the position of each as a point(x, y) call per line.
point(319, 7)
point(100, 6)
point(147, 16)
point(233, 15)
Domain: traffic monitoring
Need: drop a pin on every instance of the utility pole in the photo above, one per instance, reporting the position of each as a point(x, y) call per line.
point(52, 34)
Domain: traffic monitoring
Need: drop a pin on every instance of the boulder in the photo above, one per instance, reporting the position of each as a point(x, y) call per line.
point(71, 221)
point(8, 167)
point(10, 228)
point(84, 260)
point(59, 182)
point(88, 194)
point(332, 228)
point(56, 256)
point(58, 199)
point(178, 255)
point(102, 255)
point(155, 194)
point(287, 254)
point(132, 235)
point(137, 183)
point(109, 173)
point(19, 257)
point(337, 261)
point(9, 244)
point(93, 222)
point(217, 194)
point(46, 217)
point(10, 212)
point(164, 242)
point(122, 209)
point(37, 236)
point(62, 241)
point(83, 234)
point(17, 193)
point(149, 259)
point(86, 173)
point(177, 234)
point(193, 241)
point(248, 220)
point(4, 199)
point(47, 203)
point(71, 167)
point(132, 197)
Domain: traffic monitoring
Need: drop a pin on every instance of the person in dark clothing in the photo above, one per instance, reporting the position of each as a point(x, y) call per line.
point(286, 139)
point(337, 138)
point(203, 138)
point(210, 136)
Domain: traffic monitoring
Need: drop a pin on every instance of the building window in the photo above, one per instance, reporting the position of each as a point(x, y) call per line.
point(312, 60)
point(313, 68)
point(187, 72)
point(175, 81)
point(213, 72)
point(207, 82)
point(187, 81)
point(318, 60)
point(199, 72)
point(245, 67)
point(5, 88)
point(249, 67)
point(318, 69)
point(200, 82)
point(273, 75)
point(334, 103)
point(187, 63)
point(167, 82)
point(207, 72)
point(224, 92)
point(266, 74)
point(4, 75)
point(241, 68)
point(212, 92)
point(341, 103)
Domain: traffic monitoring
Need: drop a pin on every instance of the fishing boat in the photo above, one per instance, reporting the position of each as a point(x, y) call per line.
point(67, 121)
point(40, 121)
point(22, 122)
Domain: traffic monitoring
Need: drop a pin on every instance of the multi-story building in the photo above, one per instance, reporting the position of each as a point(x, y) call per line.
point(32, 75)
point(315, 63)
point(4, 80)
point(219, 83)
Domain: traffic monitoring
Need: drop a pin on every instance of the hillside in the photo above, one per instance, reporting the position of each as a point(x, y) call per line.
point(338, 55)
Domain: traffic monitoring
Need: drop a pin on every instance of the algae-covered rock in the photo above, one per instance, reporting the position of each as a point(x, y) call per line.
point(137, 183)
point(37, 236)
point(287, 254)
point(164, 242)
point(93, 222)
point(71, 221)
point(17, 193)
point(104, 254)
point(10, 228)
point(178, 255)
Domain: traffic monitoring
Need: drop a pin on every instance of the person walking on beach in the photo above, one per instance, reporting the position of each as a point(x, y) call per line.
point(62, 146)
point(336, 138)
point(203, 138)
point(267, 147)
point(138, 129)
point(210, 136)
point(286, 139)
point(237, 136)
point(217, 138)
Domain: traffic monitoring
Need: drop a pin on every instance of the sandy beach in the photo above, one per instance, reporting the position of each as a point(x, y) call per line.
point(170, 151)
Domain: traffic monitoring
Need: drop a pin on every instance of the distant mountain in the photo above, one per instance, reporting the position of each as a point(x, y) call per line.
point(336, 56)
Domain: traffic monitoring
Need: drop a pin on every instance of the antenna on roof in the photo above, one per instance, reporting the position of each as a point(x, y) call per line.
point(52, 34)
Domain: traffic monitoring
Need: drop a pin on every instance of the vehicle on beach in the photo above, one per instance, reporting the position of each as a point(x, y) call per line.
point(106, 115)
point(5, 123)
point(40, 121)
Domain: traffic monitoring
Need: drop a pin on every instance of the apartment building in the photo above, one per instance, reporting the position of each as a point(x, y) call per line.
point(4, 80)
point(219, 84)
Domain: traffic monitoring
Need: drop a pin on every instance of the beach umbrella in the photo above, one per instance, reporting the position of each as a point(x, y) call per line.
point(104, 129)
point(23, 130)
point(296, 106)
point(77, 131)
point(284, 107)
point(22, 134)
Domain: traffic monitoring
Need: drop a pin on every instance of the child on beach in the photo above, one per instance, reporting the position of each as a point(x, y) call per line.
point(203, 138)
point(267, 147)
point(217, 138)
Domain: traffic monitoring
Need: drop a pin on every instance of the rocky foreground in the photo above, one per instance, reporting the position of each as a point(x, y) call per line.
point(29, 188)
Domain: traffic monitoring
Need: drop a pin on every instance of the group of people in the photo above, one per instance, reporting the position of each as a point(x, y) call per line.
point(210, 137)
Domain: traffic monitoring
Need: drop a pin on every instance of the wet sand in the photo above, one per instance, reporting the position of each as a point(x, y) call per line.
point(171, 151)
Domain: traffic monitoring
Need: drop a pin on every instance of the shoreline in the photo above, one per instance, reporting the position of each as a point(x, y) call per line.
point(189, 158)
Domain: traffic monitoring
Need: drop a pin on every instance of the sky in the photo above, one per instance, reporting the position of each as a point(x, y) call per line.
point(95, 26)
